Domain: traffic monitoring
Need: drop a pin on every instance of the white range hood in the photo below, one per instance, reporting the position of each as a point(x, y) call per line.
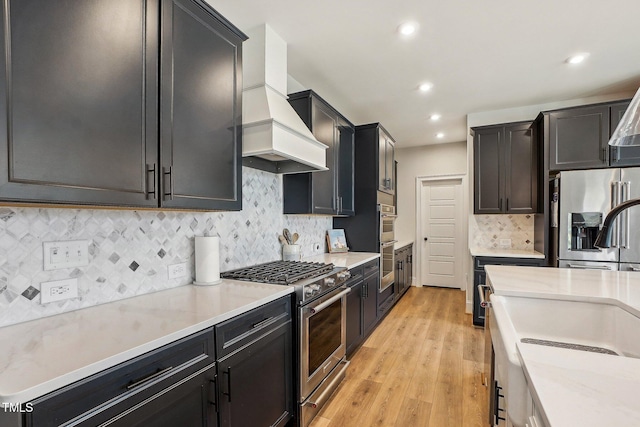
point(274, 138)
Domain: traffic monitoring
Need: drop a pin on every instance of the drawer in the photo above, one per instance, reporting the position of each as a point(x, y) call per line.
point(372, 267)
point(119, 388)
point(243, 329)
point(357, 274)
point(480, 262)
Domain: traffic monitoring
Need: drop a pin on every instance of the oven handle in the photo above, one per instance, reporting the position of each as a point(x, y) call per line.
point(330, 388)
point(384, 215)
point(328, 302)
point(387, 244)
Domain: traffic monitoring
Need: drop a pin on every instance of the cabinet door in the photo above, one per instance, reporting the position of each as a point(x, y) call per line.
point(621, 156)
point(521, 164)
point(201, 108)
point(370, 303)
point(192, 404)
point(256, 382)
point(323, 125)
point(355, 330)
point(78, 99)
point(346, 168)
point(401, 261)
point(488, 170)
point(578, 138)
point(390, 158)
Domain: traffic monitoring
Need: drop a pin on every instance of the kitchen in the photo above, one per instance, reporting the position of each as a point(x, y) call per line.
point(131, 250)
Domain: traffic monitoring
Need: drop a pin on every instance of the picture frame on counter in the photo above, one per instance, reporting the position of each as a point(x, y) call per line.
point(336, 241)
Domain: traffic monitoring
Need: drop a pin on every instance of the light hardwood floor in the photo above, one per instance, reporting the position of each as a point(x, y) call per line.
point(420, 367)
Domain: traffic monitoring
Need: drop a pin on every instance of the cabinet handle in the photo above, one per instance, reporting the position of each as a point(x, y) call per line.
point(340, 204)
point(604, 154)
point(365, 290)
point(262, 322)
point(170, 173)
point(400, 265)
point(152, 171)
point(507, 204)
point(500, 204)
point(228, 374)
point(148, 378)
point(214, 381)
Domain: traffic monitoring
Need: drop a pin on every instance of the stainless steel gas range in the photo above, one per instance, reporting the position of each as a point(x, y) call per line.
point(321, 323)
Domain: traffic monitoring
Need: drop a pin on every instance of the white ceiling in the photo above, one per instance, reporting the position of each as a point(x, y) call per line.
point(481, 55)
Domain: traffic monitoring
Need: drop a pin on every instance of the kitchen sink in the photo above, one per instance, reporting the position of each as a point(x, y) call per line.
point(575, 325)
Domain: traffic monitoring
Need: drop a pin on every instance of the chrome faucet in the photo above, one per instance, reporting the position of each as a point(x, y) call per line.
point(603, 240)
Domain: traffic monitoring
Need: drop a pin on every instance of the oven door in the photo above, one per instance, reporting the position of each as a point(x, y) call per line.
point(387, 263)
point(323, 338)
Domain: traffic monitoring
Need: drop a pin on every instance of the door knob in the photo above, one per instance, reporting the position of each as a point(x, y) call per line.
point(426, 238)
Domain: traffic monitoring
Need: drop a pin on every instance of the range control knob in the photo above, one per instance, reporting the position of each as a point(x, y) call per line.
point(329, 281)
point(344, 275)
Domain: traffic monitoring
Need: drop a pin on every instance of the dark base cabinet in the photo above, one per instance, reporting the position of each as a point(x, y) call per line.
point(182, 384)
point(173, 383)
point(480, 278)
point(362, 304)
point(404, 270)
point(255, 367)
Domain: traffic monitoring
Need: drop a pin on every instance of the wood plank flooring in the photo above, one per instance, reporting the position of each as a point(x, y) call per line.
point(420, 367)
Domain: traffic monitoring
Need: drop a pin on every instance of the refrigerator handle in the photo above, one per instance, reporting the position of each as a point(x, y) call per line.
point(624, 218)
point(615, 200)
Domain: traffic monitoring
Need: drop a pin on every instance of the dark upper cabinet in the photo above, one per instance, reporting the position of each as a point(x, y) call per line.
point(85, 102)
point(201, 109)
point(578, 138)
point(621, 156)
point(386, 162)
point(327, 192)
point(505, 169)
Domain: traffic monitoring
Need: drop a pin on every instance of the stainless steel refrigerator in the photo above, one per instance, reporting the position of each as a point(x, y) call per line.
point(585, 198)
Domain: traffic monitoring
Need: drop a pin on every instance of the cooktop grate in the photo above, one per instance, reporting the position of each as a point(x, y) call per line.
point(279, 272)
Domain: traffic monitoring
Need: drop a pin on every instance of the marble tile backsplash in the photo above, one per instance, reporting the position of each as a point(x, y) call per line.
point(130, 251)
point(486, 231)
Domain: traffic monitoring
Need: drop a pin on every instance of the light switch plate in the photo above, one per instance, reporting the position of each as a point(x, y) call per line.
point(71, 253)
point(58, 290)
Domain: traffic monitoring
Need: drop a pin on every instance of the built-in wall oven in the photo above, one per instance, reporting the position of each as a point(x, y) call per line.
point(387, 242)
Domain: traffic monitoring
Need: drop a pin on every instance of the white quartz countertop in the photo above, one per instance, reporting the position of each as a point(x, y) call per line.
point(621, 288)
point(572, 387)
point(43, 355)
point(345, 259)
point(580, 388)
point(506, 253)
point(402, 243)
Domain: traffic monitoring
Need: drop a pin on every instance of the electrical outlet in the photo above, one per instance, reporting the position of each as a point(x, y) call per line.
point(177, 270)
point(505, 243)
point(72, 253)
point(58, 290)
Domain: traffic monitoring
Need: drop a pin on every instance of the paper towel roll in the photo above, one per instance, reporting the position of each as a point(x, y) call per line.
point(207, 260)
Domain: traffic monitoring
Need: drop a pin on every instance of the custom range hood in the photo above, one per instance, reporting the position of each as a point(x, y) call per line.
point(274, 138)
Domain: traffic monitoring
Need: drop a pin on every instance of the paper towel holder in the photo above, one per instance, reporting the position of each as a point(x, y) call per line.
point(208, 249)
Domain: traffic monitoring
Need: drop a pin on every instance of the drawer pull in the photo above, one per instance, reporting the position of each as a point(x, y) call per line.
point(148, 378)
point(262, 322)
point(228, 374)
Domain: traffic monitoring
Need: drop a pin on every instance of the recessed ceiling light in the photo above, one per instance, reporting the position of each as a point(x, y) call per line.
point(577, 58)
point(408, 28)
point(440, 135)
point(435, 117)
point(425, 87)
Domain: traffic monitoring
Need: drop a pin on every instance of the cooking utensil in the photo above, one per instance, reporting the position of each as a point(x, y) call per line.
point(295, 237)
point(282, 239)
point(287, 235)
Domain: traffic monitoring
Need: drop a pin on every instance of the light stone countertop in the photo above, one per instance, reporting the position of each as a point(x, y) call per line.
point(506, 253)
point(571, 387)
point(345, 259)
point(402, 243)
point(42, 355)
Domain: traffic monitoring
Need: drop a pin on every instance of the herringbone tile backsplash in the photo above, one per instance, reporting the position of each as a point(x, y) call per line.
point(129, 250)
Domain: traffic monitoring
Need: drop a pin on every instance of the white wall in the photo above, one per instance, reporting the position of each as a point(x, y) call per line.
point(424, 161)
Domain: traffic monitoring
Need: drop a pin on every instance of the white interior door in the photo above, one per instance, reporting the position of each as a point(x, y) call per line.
point(441, 261)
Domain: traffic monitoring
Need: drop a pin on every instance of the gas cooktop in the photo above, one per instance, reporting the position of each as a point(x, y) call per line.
point(279, 272)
